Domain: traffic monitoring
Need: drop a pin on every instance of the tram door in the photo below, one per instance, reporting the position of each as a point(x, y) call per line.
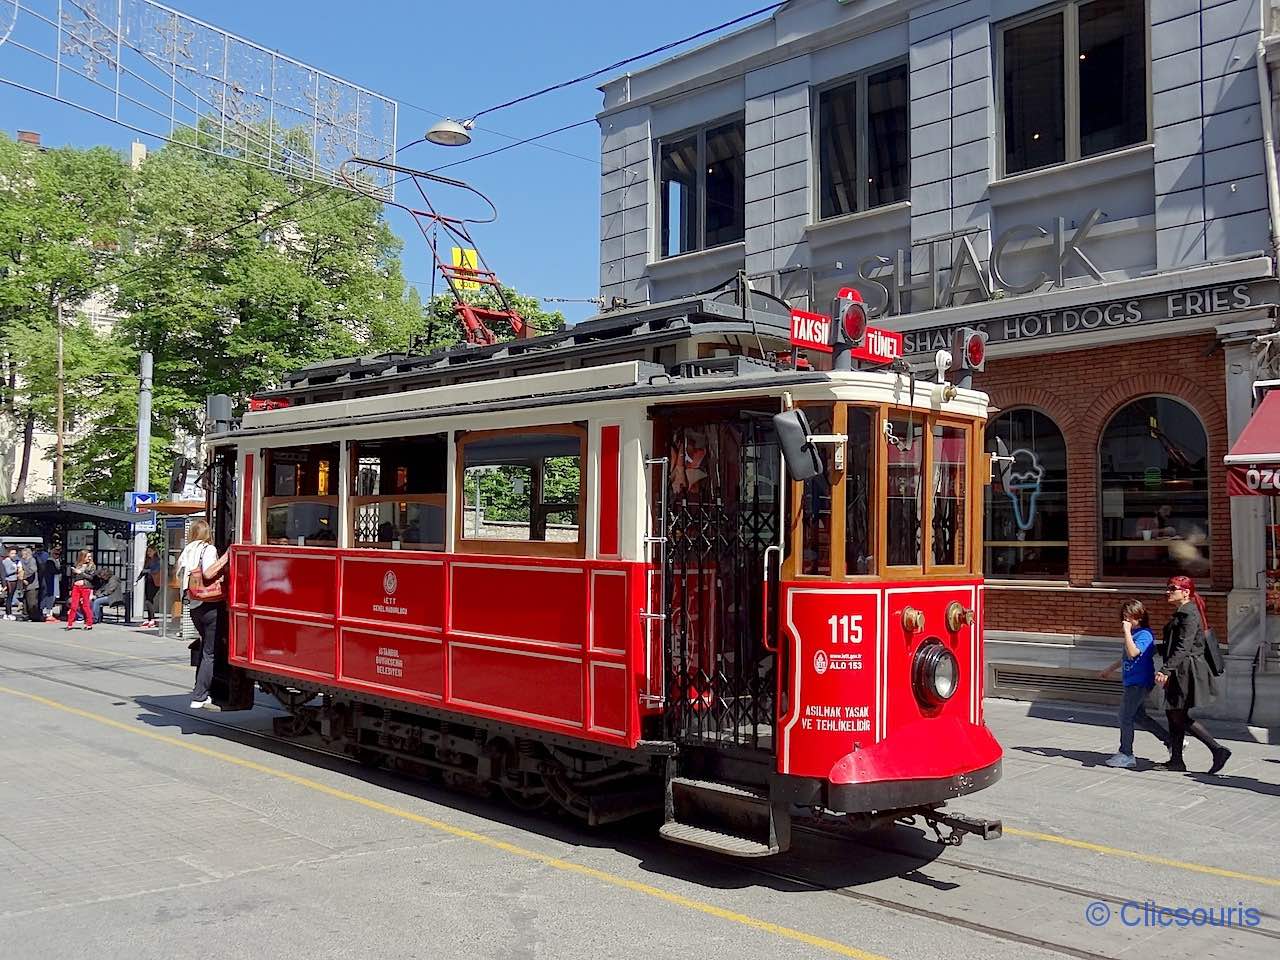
point(722, 513)
point(232, 688)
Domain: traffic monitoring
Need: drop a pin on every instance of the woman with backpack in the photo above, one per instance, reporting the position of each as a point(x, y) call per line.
point(1185, 674)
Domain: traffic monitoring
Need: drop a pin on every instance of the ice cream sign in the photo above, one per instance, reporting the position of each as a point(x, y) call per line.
point(1021, 476)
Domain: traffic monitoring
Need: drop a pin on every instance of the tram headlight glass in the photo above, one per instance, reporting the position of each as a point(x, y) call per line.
point(936, 673)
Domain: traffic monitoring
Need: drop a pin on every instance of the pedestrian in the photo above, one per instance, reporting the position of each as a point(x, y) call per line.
point(1139, 678)
point(1185, 675)
point(208, 612)
point(109, 591)
point(82, 574)
point(50, 581)
point(29, 574)
point(150, 579)
point(9, 565)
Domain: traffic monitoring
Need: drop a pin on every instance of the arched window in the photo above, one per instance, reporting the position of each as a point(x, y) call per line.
point(1026, 515)
point(1154, 462)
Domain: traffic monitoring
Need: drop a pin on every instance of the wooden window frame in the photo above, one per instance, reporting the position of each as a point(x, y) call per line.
point(269, 502)
point(354, 504)
point(975, 459)
point(520, 548)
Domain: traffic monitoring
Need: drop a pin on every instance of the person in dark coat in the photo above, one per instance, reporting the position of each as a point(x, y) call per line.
point(1185, 674)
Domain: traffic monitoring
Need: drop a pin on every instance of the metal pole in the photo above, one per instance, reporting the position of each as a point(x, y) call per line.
point(142, 470)
point(57, 463)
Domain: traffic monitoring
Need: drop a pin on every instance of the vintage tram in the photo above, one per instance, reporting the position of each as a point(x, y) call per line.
point(577, 569)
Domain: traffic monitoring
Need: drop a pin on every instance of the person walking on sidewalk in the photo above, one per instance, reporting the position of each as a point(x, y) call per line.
point(207, 615)
point(9, 565)
point(82, 574)
point(1185, 675)
point(1139, 678)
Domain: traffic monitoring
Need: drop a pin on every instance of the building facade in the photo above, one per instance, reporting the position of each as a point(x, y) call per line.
point(1091, 182)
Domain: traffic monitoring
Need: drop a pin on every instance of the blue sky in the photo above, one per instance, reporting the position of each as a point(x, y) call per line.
point(456, 58)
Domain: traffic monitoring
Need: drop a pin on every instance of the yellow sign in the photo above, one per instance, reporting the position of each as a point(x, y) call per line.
point(466, 257)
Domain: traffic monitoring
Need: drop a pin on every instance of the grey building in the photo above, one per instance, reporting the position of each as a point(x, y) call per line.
point(1092, 182)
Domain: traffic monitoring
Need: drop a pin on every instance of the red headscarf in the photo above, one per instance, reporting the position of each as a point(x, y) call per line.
point(1189, 585)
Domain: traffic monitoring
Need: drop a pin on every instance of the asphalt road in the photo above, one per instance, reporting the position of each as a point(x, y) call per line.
point(133, 827)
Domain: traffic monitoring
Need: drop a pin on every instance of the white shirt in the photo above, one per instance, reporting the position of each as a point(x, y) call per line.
point(198, 551)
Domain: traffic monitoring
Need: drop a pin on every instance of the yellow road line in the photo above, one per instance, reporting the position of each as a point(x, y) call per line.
point(1143, 857)
point(648, 890)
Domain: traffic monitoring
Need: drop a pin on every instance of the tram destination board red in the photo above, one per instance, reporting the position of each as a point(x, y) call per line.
point(811, 330)
point(878, 346)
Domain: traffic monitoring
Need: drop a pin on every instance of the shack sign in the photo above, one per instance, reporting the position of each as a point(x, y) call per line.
point(811, 330)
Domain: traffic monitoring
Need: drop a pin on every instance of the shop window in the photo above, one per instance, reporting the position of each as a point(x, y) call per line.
point(301, 495)
point(863, 143)
point(815, 501)
point(1026, 502)
point(906, 466)
point(950, 490)
point(702, 188)
point(1154, 459)
point(859, 547)
point(1073, 83)
point(523, 486)
point(398, 492)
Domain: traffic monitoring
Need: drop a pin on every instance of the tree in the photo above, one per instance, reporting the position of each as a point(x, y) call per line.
point(61, 214)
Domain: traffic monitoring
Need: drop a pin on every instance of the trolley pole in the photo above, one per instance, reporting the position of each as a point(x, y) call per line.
point(142, 472)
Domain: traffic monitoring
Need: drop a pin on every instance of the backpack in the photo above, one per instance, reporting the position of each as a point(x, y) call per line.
point(1213, 654)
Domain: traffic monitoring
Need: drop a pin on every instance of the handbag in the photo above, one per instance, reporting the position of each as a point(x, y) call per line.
point(1213, 654)
point(206, 591)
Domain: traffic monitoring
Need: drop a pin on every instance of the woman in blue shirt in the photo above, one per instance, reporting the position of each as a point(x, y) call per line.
point(1139, 677)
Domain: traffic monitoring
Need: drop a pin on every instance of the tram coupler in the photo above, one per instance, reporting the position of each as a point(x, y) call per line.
point(960, 826)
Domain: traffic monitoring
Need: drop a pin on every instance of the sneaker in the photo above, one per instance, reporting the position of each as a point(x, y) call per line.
point(1173, 766)
point(51, 620)
point(1123, 760)
point(201, 704)
point(1220, 758)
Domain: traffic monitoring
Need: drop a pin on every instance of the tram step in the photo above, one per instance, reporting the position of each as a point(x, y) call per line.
point(729, 790)
point(708, 839)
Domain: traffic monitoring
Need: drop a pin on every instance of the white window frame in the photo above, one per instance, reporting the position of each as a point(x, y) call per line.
point(862, 145)
point(700, 131)
point(1070, 9)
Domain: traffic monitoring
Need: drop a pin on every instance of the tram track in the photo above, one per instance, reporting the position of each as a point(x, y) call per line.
point(913, 860)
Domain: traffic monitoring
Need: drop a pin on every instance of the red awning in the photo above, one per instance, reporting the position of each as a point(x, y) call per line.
point(1253, 465)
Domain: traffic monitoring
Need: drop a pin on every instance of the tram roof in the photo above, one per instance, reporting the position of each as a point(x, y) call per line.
point(610, 333)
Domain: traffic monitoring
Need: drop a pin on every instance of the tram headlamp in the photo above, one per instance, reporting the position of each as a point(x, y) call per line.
point(936, 673)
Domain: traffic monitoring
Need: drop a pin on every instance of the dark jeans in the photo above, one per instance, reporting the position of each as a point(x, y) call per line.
point(1133, 712)
point(209, 621)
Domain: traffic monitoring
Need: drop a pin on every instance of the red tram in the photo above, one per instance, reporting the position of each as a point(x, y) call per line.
point(577, 568)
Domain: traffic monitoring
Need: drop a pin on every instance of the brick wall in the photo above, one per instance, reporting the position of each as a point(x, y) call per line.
point(1081, 390)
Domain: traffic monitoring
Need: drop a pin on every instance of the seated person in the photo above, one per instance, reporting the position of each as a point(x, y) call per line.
point(109, 590)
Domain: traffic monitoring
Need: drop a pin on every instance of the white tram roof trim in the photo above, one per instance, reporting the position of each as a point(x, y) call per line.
point(581, 394)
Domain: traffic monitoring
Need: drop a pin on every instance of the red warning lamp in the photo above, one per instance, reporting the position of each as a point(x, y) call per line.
point(850, 313)
point(971, 349)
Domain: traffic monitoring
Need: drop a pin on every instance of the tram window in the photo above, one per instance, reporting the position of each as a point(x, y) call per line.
point(301, 495)
point(949, 488)
point(522, 486)
point(906, 461)
point(859, 550)
point(398, 492)
point(815, 502)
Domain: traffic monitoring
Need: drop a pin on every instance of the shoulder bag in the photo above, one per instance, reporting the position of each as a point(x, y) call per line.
point(206, 591)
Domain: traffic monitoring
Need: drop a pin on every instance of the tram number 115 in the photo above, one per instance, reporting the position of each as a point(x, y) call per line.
point(846, 629)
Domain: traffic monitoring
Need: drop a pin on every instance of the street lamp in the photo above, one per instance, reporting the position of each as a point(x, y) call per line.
point(451, 133)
